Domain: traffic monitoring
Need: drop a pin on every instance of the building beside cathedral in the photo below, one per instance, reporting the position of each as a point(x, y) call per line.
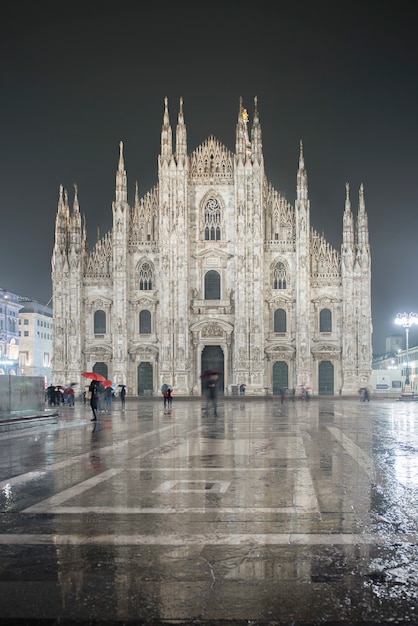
point(213, 269)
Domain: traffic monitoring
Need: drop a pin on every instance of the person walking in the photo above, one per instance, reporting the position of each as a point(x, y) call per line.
point(168, 399)
point(50, 394)
point(123, 397)
point(70, 396)
point(94, 396)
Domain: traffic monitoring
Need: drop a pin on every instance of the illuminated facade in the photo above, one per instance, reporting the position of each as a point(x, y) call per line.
point(9, 333)
point(213, 269)
point(35, 340)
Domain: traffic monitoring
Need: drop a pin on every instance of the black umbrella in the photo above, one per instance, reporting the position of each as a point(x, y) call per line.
point(121, 385)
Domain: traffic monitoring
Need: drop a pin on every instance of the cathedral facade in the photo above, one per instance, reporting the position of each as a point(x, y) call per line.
point(213, 269)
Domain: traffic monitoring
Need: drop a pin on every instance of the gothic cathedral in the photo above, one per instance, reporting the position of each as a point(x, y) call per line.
point(213, 269)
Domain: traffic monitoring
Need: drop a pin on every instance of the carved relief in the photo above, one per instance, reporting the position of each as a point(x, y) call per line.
point(212, 330)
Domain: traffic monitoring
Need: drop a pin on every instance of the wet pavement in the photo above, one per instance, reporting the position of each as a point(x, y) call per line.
point(296, 513)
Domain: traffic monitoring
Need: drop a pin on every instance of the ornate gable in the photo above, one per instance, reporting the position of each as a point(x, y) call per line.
point(99, 261)
point(212, 162)
point(99, 303)
point(325, 261)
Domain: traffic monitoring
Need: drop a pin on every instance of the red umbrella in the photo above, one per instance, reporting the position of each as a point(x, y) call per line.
point(94, 376)
point(209, 374)
point(107, 383)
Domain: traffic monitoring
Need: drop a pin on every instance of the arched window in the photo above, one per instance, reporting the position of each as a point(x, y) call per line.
point(99, 323)
point(145, 323)
point(212, 285)
point(280, 276)
point(325, 321)
point(279, 321)
point(212, 220)
point(145, 277)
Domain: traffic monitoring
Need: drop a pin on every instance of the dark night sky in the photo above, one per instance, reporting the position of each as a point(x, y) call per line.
point(341, 77)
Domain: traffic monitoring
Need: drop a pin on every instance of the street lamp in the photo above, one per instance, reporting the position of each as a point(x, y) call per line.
point(407, 320)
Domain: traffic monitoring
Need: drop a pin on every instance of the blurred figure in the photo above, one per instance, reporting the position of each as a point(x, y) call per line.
point(212, 399)
point(100, 397)
point(364, 395)
point(168, 399)
point(70, 396)
point(108, 398)
point(305, 394)
point(123, 396)
point(50, 395)
point(58, 397)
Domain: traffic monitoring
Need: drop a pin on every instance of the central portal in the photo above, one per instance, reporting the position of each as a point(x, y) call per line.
point(213, 359)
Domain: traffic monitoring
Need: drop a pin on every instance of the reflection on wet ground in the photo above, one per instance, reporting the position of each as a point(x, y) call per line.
point(301, 513)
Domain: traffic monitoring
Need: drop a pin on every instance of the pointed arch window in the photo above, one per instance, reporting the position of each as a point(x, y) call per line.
point(280, 276)
point(99, 322)
point(325, 321)
point(212, 285)
point(145, 322)
point(145, 277)
point(212, 220)
point(279, 321)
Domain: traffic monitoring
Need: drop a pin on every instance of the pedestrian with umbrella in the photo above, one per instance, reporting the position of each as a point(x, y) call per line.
point(59, 398)
point(123, 396)
point(167, 391)
point(169, 398)
point(94, 390)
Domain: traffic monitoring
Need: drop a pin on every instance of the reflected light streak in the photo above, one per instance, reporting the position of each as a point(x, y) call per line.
point(404, 456)
point(7, 491)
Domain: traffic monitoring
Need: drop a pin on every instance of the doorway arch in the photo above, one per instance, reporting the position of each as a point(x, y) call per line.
point(326, 378)
point(145, 379)
point(213, 359)
point(280, 376)
point(101, 368)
